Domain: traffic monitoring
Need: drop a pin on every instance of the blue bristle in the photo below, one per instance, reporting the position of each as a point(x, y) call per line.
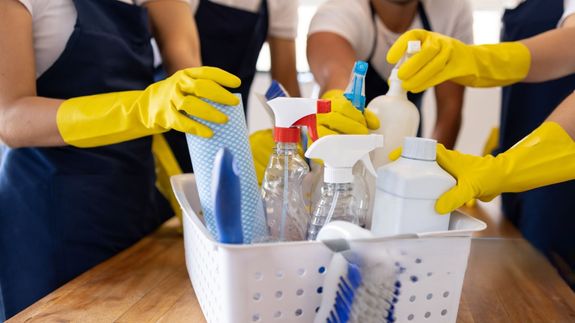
point(333, 317)
point(347, 292)
point(354, 275)
point(341, 309)
point(275, 91)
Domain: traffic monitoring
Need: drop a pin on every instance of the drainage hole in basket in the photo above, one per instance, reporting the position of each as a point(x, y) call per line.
point(427, 315)
point(413, 278)
point(257, 297)
point(418, 260)
point(317, 309)
point(429, 274)
point(320, 290)
point(444, 312)
point(298, 312)
point(321, 270)
point(410, 317)
point(277, 314)
point(279, 294)
point(412, 298)
point(429, 296)
point(255, 318)
point(279, 274)
point(299, 292)
point(301, 272)
point(445, 294)
point(258, 276)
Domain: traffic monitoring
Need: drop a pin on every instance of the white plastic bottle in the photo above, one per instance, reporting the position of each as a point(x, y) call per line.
point(284, 202)
point(407, 190)
point(339, 154)
point(399, 117)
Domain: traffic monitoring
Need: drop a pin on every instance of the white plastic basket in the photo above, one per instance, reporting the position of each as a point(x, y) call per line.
point(280, 282)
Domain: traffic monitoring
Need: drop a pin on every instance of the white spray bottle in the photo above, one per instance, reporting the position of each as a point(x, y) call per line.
point(399, 117)
point(339, 154)
point(286, 215)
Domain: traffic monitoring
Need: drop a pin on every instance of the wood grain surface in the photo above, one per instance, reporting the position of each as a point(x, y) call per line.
point(506, 281)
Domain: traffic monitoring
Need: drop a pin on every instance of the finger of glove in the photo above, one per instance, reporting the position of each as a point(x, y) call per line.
point(188, 125)
point(430, 74)
point(429, 50)
point(344, 107)
point(395, 154)
point(398, 49)
point(324, 131)
point(342, 124)
point(449, 160)
point(202, 110)
point(262, 143)
point(371, 120)
point(210, 90)
point(214, 74)
point(454, 198)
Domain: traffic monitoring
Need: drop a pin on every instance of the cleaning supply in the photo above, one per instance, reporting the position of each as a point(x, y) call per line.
point(284, 203)
point(400, 117)
point(339, 154)
point(127, 115)
point(355, 91)
point(407, 190)
point(343, 230)
point(234, 136)
point(447, 59)
point(356, 289)
point(226, 194)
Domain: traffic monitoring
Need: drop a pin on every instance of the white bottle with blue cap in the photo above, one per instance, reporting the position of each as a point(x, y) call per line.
point(407, 190)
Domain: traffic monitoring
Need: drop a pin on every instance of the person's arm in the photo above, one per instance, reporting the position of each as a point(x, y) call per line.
point(564, 115)
point(25, 119)
point(449, 99)
point(283, 61)
point(331, 58)
point(174, 29)
point(552, 54)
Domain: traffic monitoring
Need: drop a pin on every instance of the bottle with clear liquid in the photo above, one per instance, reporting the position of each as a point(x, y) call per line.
point(286, 213)
point(337, 202)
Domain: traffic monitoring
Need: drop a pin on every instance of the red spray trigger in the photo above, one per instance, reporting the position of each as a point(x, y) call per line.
point(323, 106)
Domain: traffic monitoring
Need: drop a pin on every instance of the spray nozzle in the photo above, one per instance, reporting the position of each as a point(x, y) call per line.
point(291, 113)
point(340, 152)
point(413, 47)
point(355, 91)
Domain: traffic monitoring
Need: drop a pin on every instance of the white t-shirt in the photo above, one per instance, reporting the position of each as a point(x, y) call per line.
point(568, 10)
point(52, 25)
point(283, 14)
point(354, 22)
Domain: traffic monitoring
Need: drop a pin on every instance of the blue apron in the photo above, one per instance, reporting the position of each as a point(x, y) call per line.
point(230, 39)
point(66, 209)
point(545, 216)
point(375, 84)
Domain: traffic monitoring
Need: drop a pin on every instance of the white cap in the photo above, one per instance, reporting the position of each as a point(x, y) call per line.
point(419, 148)
point(340, 152)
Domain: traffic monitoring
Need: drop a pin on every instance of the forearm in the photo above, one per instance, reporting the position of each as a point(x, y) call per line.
point(175, 31)
point(564, 115)
point(30, 122)
point(331, 60)
point(552, 54)
point(449, 101)
point(283, 64)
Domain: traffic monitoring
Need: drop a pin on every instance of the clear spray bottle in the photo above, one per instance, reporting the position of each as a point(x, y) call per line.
point(339, 154)
point(286, 215)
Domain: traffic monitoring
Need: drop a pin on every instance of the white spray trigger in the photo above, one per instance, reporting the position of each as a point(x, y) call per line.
point(368, 165)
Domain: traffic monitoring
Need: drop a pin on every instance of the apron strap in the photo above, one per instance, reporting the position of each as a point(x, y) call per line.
point(422, 15)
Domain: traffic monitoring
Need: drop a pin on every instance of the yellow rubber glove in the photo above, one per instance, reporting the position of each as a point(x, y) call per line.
point(262, 145)
point(166, 167)
point(443, 58)
point(344, 118)
point(110, 118)
point(544, 157)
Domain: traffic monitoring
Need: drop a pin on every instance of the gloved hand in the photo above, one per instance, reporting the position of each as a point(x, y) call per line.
point(544, 157)
point(262, 145)
point(443, 58)
point(344, 118)
point(110, 118)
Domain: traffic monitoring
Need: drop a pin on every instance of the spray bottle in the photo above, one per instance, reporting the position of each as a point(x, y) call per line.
point(400, 117)
point(286, 215)
point(339, 154)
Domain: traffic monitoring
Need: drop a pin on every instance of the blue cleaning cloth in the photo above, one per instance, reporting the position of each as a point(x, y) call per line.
point(234, 136)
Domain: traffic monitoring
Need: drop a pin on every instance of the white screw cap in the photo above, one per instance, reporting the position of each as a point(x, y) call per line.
point(419, 148)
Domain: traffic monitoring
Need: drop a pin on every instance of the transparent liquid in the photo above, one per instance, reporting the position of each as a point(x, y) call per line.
point(337, 202)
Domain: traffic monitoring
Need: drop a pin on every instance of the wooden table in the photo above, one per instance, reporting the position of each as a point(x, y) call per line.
point(506, 281)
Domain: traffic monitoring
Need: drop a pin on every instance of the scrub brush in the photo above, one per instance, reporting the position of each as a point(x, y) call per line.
point(356, 293)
